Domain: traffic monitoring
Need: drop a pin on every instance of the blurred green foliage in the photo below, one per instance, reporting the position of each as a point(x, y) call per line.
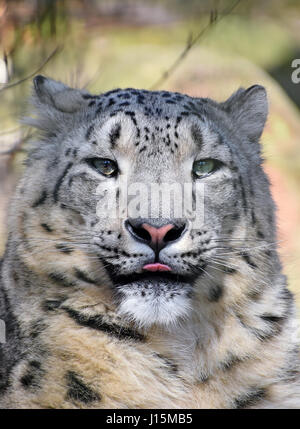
point(101, 40)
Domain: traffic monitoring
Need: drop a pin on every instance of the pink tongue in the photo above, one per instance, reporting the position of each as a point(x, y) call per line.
point(156, 267)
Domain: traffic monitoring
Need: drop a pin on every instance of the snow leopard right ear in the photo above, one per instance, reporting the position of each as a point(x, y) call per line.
point(248, 109)
point(55, 95)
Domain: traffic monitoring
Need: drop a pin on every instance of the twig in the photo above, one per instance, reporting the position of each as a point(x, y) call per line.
point(13, 130)
point(215, 17)
point(35, 72)
point(16, 146)
point(92, 79)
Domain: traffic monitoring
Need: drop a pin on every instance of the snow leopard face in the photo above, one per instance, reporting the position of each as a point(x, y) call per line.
point(99, 162)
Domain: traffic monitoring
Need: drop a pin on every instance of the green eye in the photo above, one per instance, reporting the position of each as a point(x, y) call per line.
point(107, 167)
point(204, 167)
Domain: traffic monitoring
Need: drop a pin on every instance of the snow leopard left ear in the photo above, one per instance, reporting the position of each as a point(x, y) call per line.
point(248, 108)
point(54, 94)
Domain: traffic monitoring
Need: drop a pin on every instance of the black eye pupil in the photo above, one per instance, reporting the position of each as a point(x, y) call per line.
point(106, 164)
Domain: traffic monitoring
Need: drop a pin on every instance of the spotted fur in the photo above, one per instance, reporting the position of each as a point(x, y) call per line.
point(86, 328)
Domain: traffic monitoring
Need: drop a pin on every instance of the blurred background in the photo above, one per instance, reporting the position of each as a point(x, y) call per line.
point(199, 47)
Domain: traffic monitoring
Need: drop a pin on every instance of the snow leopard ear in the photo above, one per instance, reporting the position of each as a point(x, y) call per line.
point(248, 108)
point(54, 94)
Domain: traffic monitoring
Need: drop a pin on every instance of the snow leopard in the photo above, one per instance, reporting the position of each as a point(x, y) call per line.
point(103, 308)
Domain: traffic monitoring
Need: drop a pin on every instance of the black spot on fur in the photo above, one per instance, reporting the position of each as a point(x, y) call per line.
point(271, 318)
point(64, 248)
point(253, 218)
point(230, 362)
point(129, 113)
point(78, 390)
point(46, 227)
point(260, 234)
point(99, 109)
point(235, 216)
point(250, 398)
point(132, 116)
point(35, 364)
point(60, 181)
point(89, 132)
point(51, 304)
point(229, 270)
point(96, 322)
point(243, 192)
point(37, 328)
point(60, 279)
point(246, 258)
point(197, 135)
point(171, 365)
point(115, 134)
point(41, 200)
point(203, 378)
point(111, 102)
point(215, 293)
point(83, 276)
point(27, 380)
point(31, 379)
point(273, 328)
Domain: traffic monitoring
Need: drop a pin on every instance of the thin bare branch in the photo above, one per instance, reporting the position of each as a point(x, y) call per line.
point(215, 17)
point(15, 147)
point(11, 131)
point(92, 79)
point(46, 61)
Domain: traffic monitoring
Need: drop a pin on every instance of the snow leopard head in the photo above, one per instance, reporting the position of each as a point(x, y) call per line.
point(99, 181)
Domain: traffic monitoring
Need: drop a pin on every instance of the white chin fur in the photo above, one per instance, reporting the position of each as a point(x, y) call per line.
point(149, 310)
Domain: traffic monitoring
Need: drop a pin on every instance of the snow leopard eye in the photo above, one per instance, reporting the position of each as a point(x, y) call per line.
point(203, 167)
point(104, 166)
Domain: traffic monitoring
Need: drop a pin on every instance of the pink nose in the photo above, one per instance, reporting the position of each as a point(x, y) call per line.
point(157, 234)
